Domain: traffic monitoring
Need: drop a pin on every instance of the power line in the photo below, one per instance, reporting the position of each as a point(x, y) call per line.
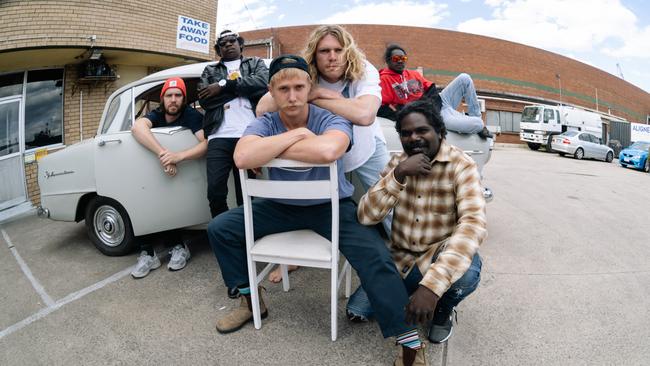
point(250, 15)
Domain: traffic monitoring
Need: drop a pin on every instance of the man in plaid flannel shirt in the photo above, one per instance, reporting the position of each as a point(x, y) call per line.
point(438, 224)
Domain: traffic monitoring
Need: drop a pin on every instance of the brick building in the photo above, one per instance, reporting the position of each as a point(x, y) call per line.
point(59, 62)
point(507, 75)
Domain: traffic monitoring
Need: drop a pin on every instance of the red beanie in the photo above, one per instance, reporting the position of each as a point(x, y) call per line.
point(174, 82)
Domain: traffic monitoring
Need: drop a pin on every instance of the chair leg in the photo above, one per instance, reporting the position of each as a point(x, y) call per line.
point(255, 296)
point(348, 280)
point(334, 301)
point(285, 277)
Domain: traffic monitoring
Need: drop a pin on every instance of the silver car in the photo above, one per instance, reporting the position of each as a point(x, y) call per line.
point(116, 185)
point(582, 145)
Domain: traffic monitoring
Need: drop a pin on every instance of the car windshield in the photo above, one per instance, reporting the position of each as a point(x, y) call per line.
point(531, 114)
point(569, 133)
point(640, 145)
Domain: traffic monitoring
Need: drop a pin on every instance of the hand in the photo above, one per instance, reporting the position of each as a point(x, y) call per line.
point(170, 170)
point(418, 164)
point(422, 306)
point(256, 171)
point(169, 157)
point(210, 91)
point(322, 93)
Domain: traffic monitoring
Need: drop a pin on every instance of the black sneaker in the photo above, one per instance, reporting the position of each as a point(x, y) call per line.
point(354, 318)
point(233, 293)
point(442, 326)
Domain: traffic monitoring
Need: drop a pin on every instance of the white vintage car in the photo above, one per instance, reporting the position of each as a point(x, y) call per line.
point(117, 186)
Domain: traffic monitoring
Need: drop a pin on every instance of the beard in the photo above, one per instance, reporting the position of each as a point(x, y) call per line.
point(178, 111)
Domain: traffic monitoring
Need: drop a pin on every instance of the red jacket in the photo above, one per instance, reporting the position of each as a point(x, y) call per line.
point(402, 89)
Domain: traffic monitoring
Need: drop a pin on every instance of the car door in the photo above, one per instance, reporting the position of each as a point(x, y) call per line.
point(132, 175)
point(583, 142)
point(600, 150)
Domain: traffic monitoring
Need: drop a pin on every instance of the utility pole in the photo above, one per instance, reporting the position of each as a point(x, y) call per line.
point(559, 80)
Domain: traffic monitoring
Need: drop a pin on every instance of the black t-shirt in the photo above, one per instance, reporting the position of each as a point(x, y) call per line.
point(189, 118)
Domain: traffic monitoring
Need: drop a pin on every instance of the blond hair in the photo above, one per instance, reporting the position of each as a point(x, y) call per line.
point(354, 58)
point(287, 74)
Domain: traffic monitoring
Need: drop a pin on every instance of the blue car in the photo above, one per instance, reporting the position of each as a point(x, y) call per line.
point(636, 156)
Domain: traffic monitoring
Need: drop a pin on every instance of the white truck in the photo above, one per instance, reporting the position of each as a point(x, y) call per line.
point(539, 123)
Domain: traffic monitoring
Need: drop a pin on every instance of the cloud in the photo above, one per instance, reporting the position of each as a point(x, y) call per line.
point(636, 45)
point(575, 26)
point(405, 12)
point(244, 15)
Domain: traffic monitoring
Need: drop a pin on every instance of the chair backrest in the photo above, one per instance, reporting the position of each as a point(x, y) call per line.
point(291, 189)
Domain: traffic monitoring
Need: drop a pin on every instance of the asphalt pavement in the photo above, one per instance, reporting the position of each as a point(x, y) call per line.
point(565, 281)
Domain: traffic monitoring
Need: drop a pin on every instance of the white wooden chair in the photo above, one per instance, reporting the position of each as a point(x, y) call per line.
point(301, 247)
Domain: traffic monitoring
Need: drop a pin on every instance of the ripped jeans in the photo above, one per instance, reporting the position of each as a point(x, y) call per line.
point(360, 305)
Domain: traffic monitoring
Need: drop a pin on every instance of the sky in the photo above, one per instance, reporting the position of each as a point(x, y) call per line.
point(612, 35)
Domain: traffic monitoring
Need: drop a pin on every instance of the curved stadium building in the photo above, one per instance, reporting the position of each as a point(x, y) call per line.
point(508, 76)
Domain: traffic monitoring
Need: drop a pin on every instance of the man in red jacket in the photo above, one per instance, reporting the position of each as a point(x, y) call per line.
point(400, 86)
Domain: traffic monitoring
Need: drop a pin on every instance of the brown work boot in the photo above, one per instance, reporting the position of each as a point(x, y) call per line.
point(238, 317)
point(420, 357)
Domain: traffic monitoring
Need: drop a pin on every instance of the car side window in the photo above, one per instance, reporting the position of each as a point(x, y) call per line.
point(584, 137)
point(118, 116)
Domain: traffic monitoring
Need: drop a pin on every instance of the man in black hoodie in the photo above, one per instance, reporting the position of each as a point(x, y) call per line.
point(229, 91)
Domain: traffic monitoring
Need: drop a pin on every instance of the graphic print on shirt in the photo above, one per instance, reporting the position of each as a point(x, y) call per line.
point(407, 87)
point(233, 74)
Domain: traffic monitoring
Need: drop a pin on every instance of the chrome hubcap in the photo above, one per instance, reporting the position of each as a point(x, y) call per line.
point(109, 226)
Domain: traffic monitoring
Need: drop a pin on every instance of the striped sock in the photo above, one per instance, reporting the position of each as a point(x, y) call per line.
point(410, 339)
point(245, 290)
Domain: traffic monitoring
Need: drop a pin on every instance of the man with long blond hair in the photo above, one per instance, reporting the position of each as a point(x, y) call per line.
point(305, 132)
point(346, 84)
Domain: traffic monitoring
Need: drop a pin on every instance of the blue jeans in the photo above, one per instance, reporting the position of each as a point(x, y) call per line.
point(461, 87)
point(361, 245)
point(368, 174)
point(359, 304)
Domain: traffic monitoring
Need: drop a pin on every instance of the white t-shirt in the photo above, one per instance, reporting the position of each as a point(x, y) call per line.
point(238, 113)
point(364, 136)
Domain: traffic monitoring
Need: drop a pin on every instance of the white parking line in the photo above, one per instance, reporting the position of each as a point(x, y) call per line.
point(70, 298)
point(23, 266)
point(51, 305)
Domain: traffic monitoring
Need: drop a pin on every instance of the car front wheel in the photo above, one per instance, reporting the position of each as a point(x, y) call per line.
point(109, 226)
point(609, 157)
point(646, 166)
point(579, 154)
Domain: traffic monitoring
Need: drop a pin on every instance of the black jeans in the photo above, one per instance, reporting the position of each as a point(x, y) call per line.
point(219, 164)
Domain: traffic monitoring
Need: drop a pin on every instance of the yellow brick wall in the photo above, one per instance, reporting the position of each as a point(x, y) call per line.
point(33, 191)
point(148, 25)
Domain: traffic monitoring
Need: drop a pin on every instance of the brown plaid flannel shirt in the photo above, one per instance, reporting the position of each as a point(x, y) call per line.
point(441, 214)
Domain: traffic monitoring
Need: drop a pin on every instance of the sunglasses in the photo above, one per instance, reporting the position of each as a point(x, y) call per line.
point(224, 42)
point(399, 58)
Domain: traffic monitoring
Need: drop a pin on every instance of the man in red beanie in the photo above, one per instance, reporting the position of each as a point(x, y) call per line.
point(173, 111)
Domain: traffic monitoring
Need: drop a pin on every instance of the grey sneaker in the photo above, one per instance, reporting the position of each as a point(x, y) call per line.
point(442, 326)
point(145, 264)
point(180, 255)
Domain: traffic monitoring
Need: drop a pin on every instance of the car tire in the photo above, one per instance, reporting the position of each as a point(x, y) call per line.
point(109, 227)
point(534, 146)
point(646, 166)
point(609, 157)
point(579, 154)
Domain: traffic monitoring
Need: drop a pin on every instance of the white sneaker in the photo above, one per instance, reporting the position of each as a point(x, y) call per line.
point(180, 255)
point(145, 264)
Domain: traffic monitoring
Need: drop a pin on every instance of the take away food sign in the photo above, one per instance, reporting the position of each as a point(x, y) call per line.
point(193, 34)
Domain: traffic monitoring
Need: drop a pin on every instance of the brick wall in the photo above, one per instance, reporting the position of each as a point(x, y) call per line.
point(148, 25)
point(497, 66)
